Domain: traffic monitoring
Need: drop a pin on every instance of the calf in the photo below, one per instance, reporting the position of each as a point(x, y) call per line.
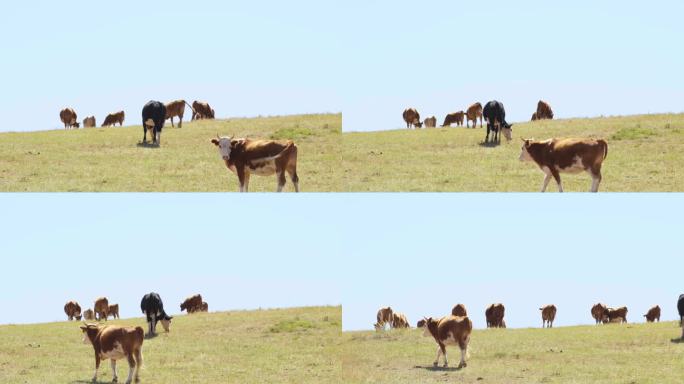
point(598, 312)
point(430, 122)
point(544, 111)
point(399, 320)
point(472, 113)
point(153, 117)
point(384, 316)
point(176, 108)
point(459, 310)
point(72, 310)
point(616, 313)
point(449, 330)
point(554, 156)
point(68, 117)
point(495, 316)
point(261, 157)
point(115, 343)
point(113, 311)
point(101, 308)
point(114, 118)
point(153, 308)
point(548, 315)
point(412, 118)
point(88, 314)
point(89, 122)
point(653, 314)
point(495, 116)
point(192, 304)
point(456, 117)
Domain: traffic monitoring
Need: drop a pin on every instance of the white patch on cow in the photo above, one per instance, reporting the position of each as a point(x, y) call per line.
point(114, 375)
point(149, 123)
point(576, 166)
point(116, 353)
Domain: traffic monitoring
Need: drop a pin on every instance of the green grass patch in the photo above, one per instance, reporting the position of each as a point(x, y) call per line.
point(292, 325)
point(633, 133)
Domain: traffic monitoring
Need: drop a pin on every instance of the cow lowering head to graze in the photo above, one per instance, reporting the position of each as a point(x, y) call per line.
point(101, 308)
point(534, 117)
point(548, 313)
point(89, 122)
point(260, 157)
point(72, 310)
point(598, 312)
point(495, 116)
point(556, 156)
point(495, 316)
point(177, 108)
point(201, 110)
point(204, 307)
point(152, 306)
point(68, 117)
point(113, 311)
point(653, 314)
point(430, 122)
point(383, 317)
point(114, 118)
point(472, 113)
point(88, 314)
point(459, 310)
point(614, 313)
point(153, 117)
point(399, 320)
point(449, 330)
point(115, 343)
point(412, 118)
point(192, 304)
point(456, 117)
point(544, 111)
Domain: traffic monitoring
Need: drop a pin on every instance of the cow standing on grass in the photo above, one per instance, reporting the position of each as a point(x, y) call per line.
point(472, 113)
point(412, 118)
point(113, 118)
point(495, 116)
point(72, 310)
point(153, 308)
point(192, 304)
point(598, 312)
point(113, 311)
point(653, 314)
point(399, 320)
point(177, 108)
point(89, 122)
point(68, 117)
point(459, 310)
point(101, 308)
point(202, 110)
point(548, 313)
point(615, 315)
point(430, 122)
point(153, 117)
point(680, 310)
point(456, 117)
point(384, 316)
point(494, 315)
point(115, 343)
point(543, 111)
point(449, 330)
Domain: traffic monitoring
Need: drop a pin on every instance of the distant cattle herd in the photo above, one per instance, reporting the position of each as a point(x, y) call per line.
point(455, 329)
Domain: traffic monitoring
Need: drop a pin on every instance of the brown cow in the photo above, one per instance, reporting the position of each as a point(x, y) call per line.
point(261, 157)
point(653, 314)
point(534, 117)
point(449, 330)
point(89, 122)
point(554, 156)
point(598, 312)
point(384, 316)
point(495, 316)
point(548, 315)
point(615, 315)
point(544, 111)
point(101, 308)
point(72, 310)
point(68, 117)
point(204, 307)
point(115, 343)
point(430, 122)
point(192, 303)
point(456, 117)
point(88, 314)
point(114, 118)
point(113, 311)
point(412, 118)
point(202, 110)
point(399, 320)
point(176, 108)
point(472, 113)
point(459, 310)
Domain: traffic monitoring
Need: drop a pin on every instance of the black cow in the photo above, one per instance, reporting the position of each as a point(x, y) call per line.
point(153, 307)
point(495, 115)
point(680, 309)
point(153, 117)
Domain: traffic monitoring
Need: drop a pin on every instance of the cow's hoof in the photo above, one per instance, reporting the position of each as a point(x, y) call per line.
point(115, 380)
point(445, 365)
point(435, 364)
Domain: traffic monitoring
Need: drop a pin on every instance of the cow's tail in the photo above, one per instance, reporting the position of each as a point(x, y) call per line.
point(191, 108)
point(605, 148)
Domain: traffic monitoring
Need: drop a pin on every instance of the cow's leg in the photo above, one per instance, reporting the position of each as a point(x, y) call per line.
point(138, 363)
point(293, 176)
point(595, 179)
point(97, 367)
point(439, 353)
point(154, 324)
point(172, 121)
point(464, 351)
point(281, 179)
point(241, 176)
point(115, 378)
point(180, 121)
point(131, 367)
point(556, 176)
point(443, 349)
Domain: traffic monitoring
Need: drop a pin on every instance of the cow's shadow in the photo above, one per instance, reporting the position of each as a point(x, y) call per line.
point(146, 145)
point(489, 144)
point(438, 368)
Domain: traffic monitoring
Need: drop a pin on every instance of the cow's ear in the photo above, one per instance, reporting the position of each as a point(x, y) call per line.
point(83, 327)
point(215, 141)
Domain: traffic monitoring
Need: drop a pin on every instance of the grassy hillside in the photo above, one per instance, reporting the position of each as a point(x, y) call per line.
point(108, 159)
point(267, 346)
point(628, 353)
point(645, 153)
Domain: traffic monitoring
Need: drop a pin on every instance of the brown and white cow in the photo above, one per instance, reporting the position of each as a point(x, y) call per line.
point(89, 122)
point(68, 117)
point(204, 307)
point(113, 311)
point(472, 113)
point(555, 156)
point(101, 308)
point(399, 320)
point(456, 117)
point(383, 317)
point(260, 157)
point(544, 111)
point(598, 312)
point(548, 313)
point(653, 314)
point(459, 310)
point(88, 314)
point(72, 310)
point(202, 110)
point(115, 343)
point(615, 315)
point(495, 316)
point(113, 118)
point(192, 304)
point(176, 108)
point(412, 118)
point(430, 122)
point(449, 330)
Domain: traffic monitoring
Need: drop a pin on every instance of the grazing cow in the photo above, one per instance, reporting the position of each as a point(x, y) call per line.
point(548, 315)
point(88, 314)
point(204, 307)
point(152, 306)
point(399, 320)
point(544, 111)
point(177, 108)
point(68, 117)
point(534, 117)
point(153, 117)
point(495, 316)
point(385, 316)
point(495, 116)
point(614, 313)
point(456, 117)
point(653, 314)
point(459, 310)
point(114, 118)
point(113, 311)
point(598, 312)
point(261, 157)
point(412, 118)
point(101, 308)
point(89, 122)
point(554, 156)
point(449, 330)
point(202, 110)
point(192, 303)
point(430, 122)
point(115, 343)
point(72, 310)
point(472, 113)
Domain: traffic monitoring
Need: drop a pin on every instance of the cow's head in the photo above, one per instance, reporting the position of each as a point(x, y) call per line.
point(425, 324)
point(507, 130)
point(90, 331)
point(524, 150)
point(418, 124)
point(78, 317)
point(166, 323)
point(378, 327)
point(224, 146)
